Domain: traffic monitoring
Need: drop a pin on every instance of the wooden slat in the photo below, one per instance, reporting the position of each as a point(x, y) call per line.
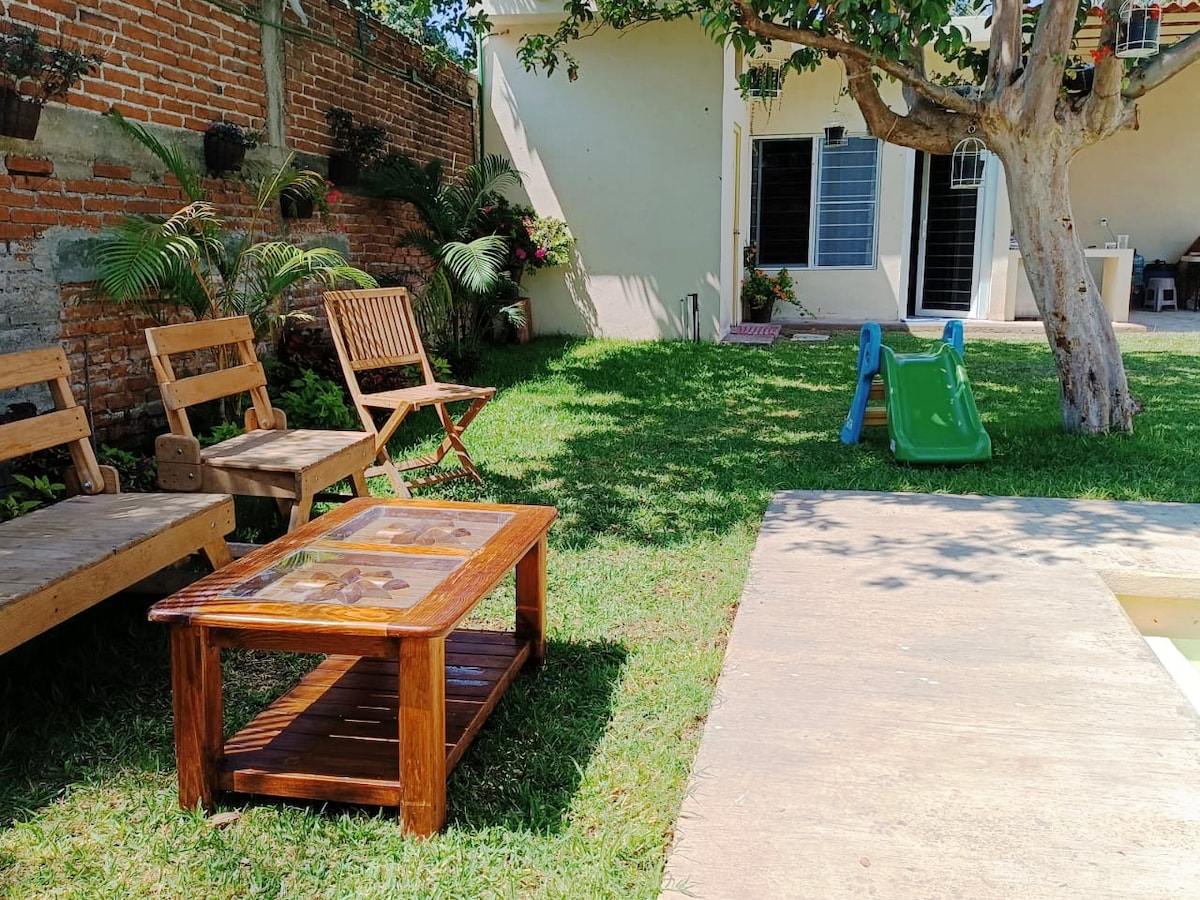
point(41, 432)
point(39, 589)
point(32, 367)
point(171, 339)
point(336, 734)
point(212, 386)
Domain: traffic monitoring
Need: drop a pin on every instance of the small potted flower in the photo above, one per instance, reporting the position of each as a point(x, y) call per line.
point(355, 146)
point(761, 291)
point(32, 74)
point(225, 146)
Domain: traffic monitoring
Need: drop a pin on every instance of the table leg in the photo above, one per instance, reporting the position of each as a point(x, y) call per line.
point(531, 601)
point(196, 693)
point(422, 676)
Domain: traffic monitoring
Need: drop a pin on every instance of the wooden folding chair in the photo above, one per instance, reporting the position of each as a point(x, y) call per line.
point(375, 329)
point(268, 460)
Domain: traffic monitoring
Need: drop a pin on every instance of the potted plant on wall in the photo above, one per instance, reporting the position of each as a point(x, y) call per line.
point(355, 146)
point(225, 146)
point(32, 74)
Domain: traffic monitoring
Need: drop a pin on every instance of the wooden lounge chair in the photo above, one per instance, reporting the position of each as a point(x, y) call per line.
point(268, 460)
point(60, 560)
point(376, 329)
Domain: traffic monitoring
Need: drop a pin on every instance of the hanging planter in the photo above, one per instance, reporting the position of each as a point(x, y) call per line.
point(19, 117)
point(763, 81)
point(295, 205)
point(1138, 29)
point(225, 146)
point(343, 169)
point(968, 163)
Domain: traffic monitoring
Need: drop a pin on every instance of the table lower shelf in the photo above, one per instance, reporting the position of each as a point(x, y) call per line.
point(335, 736)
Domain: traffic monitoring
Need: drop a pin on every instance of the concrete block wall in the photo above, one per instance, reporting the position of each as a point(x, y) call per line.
point(177, 67)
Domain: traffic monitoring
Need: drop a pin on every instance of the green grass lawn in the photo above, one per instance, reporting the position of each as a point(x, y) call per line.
point(661, 459)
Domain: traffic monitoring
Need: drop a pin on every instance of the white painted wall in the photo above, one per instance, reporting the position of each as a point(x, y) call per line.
point(1146, 182)
point(631, 156)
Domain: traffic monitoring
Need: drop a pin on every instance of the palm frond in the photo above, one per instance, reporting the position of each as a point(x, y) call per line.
point(476, 265)
point(170, 155)
point(142, 261)
point(493, 173)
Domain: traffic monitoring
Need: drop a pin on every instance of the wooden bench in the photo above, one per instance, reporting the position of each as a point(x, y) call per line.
point(62, 559)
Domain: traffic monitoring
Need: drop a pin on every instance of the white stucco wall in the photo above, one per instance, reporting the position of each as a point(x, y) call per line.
point(630, 155)
point(1146, 182)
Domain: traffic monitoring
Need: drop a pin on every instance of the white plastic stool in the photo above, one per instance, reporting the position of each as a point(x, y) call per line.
point(1160, 294)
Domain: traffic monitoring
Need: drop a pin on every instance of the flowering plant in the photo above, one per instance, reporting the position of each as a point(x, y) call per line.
point(760, 290)
point(535, 242)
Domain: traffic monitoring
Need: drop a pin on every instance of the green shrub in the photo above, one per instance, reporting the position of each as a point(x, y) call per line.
point(316, 402)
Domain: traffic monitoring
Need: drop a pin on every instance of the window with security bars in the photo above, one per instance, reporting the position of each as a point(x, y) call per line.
point(813, 205)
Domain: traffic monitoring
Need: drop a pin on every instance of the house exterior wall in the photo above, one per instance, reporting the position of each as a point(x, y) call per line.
point(631, 157)
point(1146, 182)
point(802, 110)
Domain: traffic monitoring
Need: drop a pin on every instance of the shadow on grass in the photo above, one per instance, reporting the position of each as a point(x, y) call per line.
point(659, 442)
point(83, 700)
point(92, 697)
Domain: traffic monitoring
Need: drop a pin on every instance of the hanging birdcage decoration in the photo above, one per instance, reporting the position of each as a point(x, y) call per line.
point(835, 126)
point(835, 131)
point(1138, 28)
point(968, 162)
point(764, 80)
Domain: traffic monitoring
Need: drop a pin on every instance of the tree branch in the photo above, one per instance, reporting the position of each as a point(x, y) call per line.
point(1104, 107)
point(924, 128)
point(1166, 65)
point(935, 93)
point(1004, 57)
point(1048, 58)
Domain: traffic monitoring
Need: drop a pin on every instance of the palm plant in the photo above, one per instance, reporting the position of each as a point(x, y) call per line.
point(193, 260)
point(470, 288)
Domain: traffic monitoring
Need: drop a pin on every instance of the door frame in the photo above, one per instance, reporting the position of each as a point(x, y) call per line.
point(983, 237)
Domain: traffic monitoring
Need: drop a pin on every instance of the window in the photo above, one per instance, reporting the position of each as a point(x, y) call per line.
point(812, 205)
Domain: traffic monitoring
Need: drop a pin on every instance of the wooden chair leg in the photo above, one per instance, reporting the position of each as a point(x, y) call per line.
point(217, 553)
point(301, 511)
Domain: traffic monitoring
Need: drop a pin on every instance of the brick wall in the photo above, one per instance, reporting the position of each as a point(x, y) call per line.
point(178, 66)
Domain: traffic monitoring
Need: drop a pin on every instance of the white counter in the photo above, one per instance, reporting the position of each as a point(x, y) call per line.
point(1115, 283)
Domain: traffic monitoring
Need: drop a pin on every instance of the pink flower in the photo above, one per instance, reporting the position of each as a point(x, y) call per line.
point(540, 253)
point(333, 197)
point(487, 209)
point(520, 253)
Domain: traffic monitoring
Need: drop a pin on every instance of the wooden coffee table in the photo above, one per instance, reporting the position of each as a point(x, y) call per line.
point(382, 585)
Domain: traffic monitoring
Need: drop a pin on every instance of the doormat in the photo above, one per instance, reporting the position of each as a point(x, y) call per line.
point(752, 334)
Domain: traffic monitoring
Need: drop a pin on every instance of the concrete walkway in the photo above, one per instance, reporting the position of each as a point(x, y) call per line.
point(933, 696)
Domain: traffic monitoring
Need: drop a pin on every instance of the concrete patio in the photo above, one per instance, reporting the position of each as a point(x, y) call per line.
point(931, 696)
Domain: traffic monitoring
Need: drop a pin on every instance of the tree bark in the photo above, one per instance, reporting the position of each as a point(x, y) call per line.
point(1094, 391)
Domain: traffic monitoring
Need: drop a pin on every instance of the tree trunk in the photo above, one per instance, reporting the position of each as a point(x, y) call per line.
point(1094, 391)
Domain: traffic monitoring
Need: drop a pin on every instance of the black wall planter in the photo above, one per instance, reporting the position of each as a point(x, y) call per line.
point(18, 117)
point(343, 169)
point(222, 154)
point(295, 206)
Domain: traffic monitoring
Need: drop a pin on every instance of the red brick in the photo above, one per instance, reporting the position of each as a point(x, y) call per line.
point(15, 232)
point(28, 165)
point(111, 170)
point(34, 217)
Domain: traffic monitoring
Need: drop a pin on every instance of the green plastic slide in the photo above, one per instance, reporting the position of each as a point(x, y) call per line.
point(931, 412)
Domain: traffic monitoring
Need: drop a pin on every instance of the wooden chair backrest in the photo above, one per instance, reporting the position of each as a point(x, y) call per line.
point(67, 424)
point(244, 375)
point(375, 329)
